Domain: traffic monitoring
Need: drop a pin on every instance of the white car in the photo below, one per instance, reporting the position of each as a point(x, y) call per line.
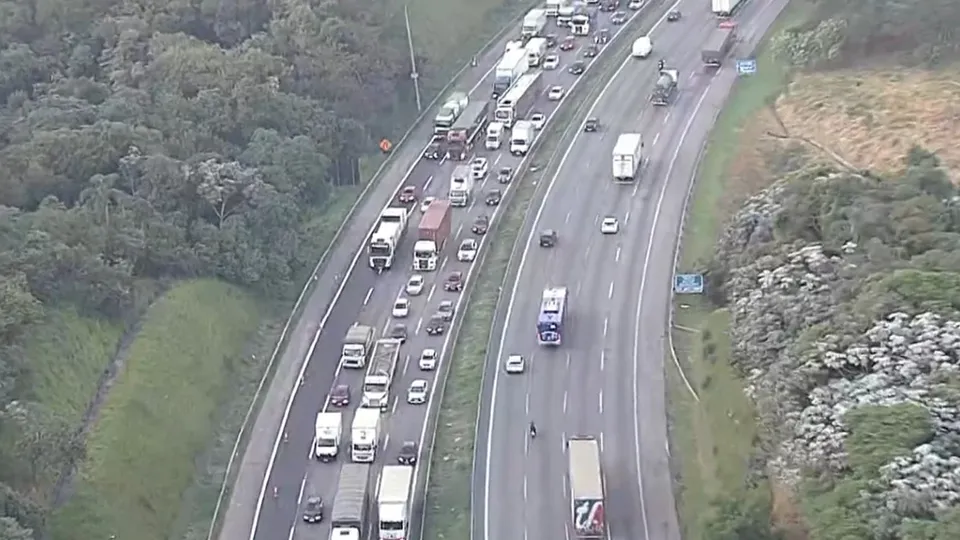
point(467, 251)
point(414, 285)
point(514, 364)
point(551, 61)
point(609, 225)
point(478, 167)
point(401, 308)
point(418, 392)
point(538, 120)
point(428, 360)
point(555, 93)
point(635, 4)
point(426, 203)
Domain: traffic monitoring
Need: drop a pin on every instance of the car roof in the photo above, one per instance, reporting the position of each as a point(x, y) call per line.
point(408, 445)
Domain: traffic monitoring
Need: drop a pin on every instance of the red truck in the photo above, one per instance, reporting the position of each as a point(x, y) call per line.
point(432, 234)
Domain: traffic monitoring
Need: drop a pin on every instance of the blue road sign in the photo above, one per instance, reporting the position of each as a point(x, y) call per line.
point(746, 66)
point(688, 284)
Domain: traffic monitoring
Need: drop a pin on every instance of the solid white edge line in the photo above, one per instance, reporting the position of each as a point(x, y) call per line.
point(523, 258)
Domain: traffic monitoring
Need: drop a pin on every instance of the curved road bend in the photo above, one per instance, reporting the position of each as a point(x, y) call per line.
point(367, 298)
point(607, 379)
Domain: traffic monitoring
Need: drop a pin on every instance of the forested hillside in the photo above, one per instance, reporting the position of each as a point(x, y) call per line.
point(145, 142)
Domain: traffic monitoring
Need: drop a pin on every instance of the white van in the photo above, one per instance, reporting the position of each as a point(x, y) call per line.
point(494, 136)
point(642, 47)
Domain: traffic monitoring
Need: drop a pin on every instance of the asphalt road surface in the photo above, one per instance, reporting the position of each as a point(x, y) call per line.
point(367, 298)
point(607, 379)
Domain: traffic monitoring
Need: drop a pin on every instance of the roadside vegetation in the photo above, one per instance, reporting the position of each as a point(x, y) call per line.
point(822, 218)
point(175, 159)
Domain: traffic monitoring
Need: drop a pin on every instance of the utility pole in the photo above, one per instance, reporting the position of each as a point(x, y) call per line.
point(413, 59)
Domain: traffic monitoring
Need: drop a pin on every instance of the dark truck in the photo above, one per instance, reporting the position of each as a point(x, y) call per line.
point(665, 87)
point(465, 130)
point(719, 44)
point(349, 517)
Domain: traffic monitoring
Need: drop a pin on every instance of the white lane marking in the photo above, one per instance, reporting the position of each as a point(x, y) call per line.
point(666, 117)
point(293, 529)
point(366, 299)
point(524, 487)
point(386, 326)
point(426, 185)
point(606, 321)
point(513, 292)
point(636, 188)
point(303, 486)
point(419, 324)
point(601, 401)
point(526, 404)
point(610, 291)
point(459, 230)
point(433, 289)
point(626, 219)
point(406, 361)
point(601, 450)
point(577, 293)
point(567, 219)
point(643, 284)
point(603, 359)
point(564, 401)
point(616, 257)
point(386, 438)
point(656, 138)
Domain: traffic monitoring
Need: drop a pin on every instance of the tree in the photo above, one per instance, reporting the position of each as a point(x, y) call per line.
point(11, 530)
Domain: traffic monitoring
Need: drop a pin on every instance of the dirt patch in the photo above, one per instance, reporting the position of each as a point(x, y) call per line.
point(872, 118)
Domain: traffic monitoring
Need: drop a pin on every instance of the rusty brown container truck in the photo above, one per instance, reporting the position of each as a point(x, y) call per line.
point(432, 234)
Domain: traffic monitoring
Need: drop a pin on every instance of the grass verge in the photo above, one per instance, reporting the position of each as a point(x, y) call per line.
point(713, 439)
point(448, 496)
point(159, 415)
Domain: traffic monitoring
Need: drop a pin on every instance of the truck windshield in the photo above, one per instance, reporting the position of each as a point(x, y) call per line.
point(362, 447)
point(502, 114)
point(374, 387)
point(423, 253)
point(353, 351)
point(379, 249)
point(391, 525)
point(326, 442)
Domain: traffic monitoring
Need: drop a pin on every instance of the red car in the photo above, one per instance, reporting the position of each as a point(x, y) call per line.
point(408, 195)
point(340, 395)
point(568, 43)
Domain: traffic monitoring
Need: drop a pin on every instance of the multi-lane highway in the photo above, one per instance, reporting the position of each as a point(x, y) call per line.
point(367, 298)
point(606, 380)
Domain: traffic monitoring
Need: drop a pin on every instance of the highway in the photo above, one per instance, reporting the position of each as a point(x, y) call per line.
point(607, 378)
point(367, 298)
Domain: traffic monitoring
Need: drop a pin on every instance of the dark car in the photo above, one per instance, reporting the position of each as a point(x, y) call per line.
point(436, 326)
point(480, 225)
point(551, 41)
point(340, 395)
point(408, 195)
point(568, 43)
point(577, 68)
point(435, 149)
point(399, 331)
point(454, 282)
point(548, 238)
point(591, 51)
point(618, 18)
point(446, 309)
point(591, 125)
point(493, 197)
point(313, 510)
point(610, 6)
point(674, 16)
point(504, 175)
point(408, 453)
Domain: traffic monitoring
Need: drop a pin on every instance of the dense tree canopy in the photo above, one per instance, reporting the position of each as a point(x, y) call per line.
point(146, 141)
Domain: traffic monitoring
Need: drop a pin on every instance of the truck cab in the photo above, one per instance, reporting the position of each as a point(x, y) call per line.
point(580, 24)
point(494, 136)
point(365, 435)
point(461, 186)
point(327, 434)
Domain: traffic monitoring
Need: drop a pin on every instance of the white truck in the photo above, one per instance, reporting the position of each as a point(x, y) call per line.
point(494, 136)
point(450, 111)
point(536, 50)
point(521, 137)
point(328, 430)
point(393, 501)
point(461, 186)
point(627, 157)
point(568, 11)
point(348, 519)
point(580, 24)
point(518, 101)
point(724, 8)
point(391, 225)
point(533, 23)
point(553, 7)
point(379, 377)
point(365, 435)
point(356, 346)
point(512, 65)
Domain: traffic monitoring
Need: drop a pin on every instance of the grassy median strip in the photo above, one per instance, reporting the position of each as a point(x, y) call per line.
point(447, 507)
